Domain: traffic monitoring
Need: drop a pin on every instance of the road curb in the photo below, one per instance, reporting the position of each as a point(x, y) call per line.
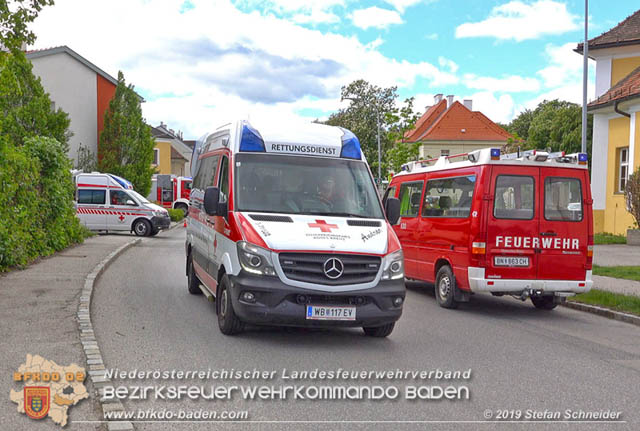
point(92, 353)
point(604, 312)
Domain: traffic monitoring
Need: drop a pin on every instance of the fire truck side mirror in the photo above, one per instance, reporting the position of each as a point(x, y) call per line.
point(211, 199)
point(392, 209)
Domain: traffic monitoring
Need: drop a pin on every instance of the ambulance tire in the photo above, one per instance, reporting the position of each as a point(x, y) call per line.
point(445, 288)
point(544, 302)
point(379, 331)
point(193, 283)
point(154, 232)
point(228, 322)
point(142, 227)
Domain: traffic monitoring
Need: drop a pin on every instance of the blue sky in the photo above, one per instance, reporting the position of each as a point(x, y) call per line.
point(201, 61)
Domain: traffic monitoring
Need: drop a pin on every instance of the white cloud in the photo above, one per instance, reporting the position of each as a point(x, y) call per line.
point(303, 12)
point(521, 21)
point(499, 109)
point(449, 64)
point(402, 5)
point(194, 70)
point(508, 84)
point(375, 17)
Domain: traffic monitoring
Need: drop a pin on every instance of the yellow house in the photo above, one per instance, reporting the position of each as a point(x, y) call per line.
point(171, 155)
point(616, 122)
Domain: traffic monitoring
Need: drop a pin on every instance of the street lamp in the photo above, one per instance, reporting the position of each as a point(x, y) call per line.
point(375, 105)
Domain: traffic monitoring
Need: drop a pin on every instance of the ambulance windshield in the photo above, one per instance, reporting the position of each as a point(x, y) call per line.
point(138, 196)
point(305, 185)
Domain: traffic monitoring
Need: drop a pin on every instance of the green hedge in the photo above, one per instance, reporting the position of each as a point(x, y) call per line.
point(176, 215)
point(37, 216)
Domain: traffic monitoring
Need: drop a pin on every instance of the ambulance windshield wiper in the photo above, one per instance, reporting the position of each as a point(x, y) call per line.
point(334, 214)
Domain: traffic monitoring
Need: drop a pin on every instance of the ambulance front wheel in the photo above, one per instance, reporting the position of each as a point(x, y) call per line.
point(380, 331)
point(544, 302)
point(228, 321)
point(445, 287)
point(142, 227)
point(193, 283)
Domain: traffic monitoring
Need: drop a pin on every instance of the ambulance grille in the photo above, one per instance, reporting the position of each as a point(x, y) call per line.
point(275, 218)
point(366, 223)
point(309, 268)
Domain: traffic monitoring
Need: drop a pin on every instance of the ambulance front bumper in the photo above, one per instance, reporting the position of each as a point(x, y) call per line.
point(277, 303)
point(478, 283)
point(160, 222)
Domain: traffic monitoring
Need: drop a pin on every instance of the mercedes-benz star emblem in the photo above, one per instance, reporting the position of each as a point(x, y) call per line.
point(333, 268)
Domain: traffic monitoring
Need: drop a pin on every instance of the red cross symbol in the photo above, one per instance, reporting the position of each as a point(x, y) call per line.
point(324, 227)
point(121, 217)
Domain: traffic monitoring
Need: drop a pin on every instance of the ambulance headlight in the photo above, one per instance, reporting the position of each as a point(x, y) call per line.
point(393, 266)
point(254, 259)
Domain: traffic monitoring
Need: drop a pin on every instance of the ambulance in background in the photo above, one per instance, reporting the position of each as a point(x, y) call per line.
point(285, 228)
point(518, 224)
point(178, 196)
point(106, 202)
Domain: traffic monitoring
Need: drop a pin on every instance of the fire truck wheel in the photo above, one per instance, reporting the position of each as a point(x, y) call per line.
point(544, 302)
point(444, 288)
point(227, 320)
point(380, 331)
point(142, 227)
point(182, 207)
point(193, 283)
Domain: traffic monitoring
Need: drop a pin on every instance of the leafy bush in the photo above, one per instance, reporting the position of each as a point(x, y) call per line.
point(632, 196)
point(37, 216)
point(176, 215)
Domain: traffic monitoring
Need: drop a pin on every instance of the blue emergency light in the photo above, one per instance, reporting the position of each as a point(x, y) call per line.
point(350, 145)
point(495, 154)
point(582, 158)
point(251, 140)
point(124, 183)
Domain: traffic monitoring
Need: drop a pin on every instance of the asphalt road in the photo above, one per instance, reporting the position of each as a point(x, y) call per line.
point(521, 359)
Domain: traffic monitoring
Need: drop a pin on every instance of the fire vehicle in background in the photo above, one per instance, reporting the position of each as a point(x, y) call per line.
point(176, 196)
point(519, 224)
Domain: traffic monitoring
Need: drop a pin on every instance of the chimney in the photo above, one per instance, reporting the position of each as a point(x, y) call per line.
point(468, 103)
point(449, 100)
point(437, 98)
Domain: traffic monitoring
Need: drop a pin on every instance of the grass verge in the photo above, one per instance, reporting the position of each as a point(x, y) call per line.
point(626, 272)
point(609, 238)
point(614, 301)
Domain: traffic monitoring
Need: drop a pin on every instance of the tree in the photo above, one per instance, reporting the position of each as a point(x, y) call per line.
point(14, 19)
point(632, 196)
point(25, 108)
point(86, 160)
point(401, 152)
point(369, 103)
point(126, 144)
point(554, 124)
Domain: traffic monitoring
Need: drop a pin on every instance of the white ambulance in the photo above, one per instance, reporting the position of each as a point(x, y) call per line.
point(285, 228)
point(106, 202)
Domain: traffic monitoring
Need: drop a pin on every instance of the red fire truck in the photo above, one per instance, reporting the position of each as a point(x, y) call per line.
point(177, 197)
point(518, 224)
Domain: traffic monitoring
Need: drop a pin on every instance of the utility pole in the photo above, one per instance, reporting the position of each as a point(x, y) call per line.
point(585, 75)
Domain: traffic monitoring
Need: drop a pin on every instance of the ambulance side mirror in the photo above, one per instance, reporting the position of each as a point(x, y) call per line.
point(211, 199)
point(392, 210)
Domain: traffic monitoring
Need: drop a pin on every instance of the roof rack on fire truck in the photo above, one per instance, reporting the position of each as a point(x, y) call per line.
point(487, 155)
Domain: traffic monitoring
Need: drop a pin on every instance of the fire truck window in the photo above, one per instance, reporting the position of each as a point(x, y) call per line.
point(562, 199)
point(449, 197)
point(95, 197)
point(514, 197)
point(223, 183)
point(410, 194)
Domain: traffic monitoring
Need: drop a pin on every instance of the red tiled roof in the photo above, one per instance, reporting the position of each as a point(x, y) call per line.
point(458, 123)
point(628, 88)
point(427, 119)
point(627, 32)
